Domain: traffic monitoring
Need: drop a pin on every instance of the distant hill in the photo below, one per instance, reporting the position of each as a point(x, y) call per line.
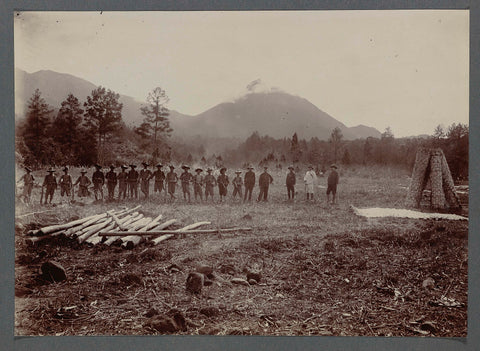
point(274, 113)
point(55, 88)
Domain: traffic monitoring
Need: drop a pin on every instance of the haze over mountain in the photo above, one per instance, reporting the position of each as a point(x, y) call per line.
point(269, 112)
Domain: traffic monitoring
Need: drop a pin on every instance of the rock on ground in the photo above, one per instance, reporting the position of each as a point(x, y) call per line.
point(53, 271)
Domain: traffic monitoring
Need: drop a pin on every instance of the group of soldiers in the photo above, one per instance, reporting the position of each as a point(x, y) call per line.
point(203, 185)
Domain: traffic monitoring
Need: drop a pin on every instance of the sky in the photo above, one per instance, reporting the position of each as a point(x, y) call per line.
point(407, 70)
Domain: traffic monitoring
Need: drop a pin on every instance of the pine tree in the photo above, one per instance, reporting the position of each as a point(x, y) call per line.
point(35, 131)
point(336, 141)
point(103, 115)
point(66, 130)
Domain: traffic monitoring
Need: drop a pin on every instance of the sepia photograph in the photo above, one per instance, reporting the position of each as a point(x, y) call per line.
point(274, 173)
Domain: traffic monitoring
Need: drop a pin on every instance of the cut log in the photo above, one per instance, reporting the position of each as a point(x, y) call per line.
point(134, 240)
point(129, 242)
point(448, 185)
point(188, 227)
point(136, 223)
point(54, 228)
point(96, 238)
point(92, 231)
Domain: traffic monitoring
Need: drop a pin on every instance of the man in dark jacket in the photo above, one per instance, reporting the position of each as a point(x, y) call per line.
point(98, 179)
point(209, 182)
point(65, 183)
point(264, 182)
point(171, 179)
point(186, 178)
point(145, 176)
point(111, 182)
point(122, 183)
point(290, 182)
point(50, 182)
point(132, 180)
point(332, 182)
point(159, 179)
point(222, 182)
point(249, 182)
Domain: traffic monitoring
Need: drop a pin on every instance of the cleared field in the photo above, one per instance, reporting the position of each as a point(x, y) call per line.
point(324, 270)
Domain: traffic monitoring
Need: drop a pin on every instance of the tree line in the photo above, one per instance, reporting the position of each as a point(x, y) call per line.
point(94, 132)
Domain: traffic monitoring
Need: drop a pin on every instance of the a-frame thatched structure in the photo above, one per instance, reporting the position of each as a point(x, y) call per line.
point(431, 167)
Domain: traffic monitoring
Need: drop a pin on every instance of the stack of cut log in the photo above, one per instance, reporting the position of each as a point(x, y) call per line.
point(126, 227)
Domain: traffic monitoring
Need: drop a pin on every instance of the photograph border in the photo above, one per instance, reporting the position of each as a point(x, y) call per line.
point(120, 343)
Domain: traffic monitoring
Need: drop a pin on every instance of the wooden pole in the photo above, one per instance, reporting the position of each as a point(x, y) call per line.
point(188, 227)
point(161, 232)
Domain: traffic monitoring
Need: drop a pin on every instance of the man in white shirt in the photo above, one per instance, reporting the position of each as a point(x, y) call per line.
point(310, 180)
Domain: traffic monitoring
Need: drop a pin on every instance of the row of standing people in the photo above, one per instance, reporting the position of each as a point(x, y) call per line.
point(128, 183)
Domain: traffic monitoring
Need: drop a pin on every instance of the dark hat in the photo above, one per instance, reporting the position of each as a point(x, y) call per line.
point(185, 167)
point(98, 166)
point(223, 169)
point(123, 166)
point(310, 166)
point(65, 169)
point(209, 169)
point(333, 166)
point(50, 170)
point(28, 169)
point(199, 170)
point(112, 167)
point(290, 167)
point(133, 166)
point(238, 171)
point(159, 165)
point(265, 167)
point(172, 167)
point(83, 171)
point(145, 164)
point(250, 167)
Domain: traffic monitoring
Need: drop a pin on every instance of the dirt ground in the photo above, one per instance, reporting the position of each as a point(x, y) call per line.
point(323, 270)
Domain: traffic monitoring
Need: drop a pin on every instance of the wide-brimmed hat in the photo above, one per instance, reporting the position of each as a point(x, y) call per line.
point(310, 166)
point(223, 169)
point(145, 164)
point(172, 167)
point(333, 165)
point(185, 167)
point(65, 169)
point(250, 167)
point(83, 171)
point(28, 169)
point(123, 166)
point(112, 167)
point(97, 166)
point(290, 167)
point(209, 169)
point(265, 167)
point(50, 170)
point(159, 165)
point(198, 170)
point(238, 171)
point(133, 166)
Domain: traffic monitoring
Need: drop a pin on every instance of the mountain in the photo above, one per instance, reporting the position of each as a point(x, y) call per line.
point(274, 113)
point(55, 88)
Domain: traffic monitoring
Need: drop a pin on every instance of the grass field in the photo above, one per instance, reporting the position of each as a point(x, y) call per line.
point(324, 270)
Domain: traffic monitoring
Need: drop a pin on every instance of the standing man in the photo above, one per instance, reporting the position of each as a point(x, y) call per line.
point(122, 183)
point(98, 179)
point(145, 176)
point(198, 183)
point(332, 182)
point(111, 182)
point(186, 178)
point(27, 185)
point(249, 182)
point(159, 179)
point(50, 183)
point(65, 183)
point(222, 182)
point(290, 182)
point(237, 185)
point(172, 180)
point(83, 184)
point(264, 182)
point(210, 182)
point(310, 180)
point(132, 180)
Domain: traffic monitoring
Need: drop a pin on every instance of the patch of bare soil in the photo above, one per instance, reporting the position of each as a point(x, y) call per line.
point(391, 279)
